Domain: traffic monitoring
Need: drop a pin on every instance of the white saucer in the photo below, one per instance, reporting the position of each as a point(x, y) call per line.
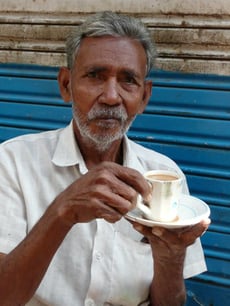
point(191, 211)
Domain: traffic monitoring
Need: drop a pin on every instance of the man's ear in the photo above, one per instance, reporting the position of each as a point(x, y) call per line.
point(64, 84)
point(146, 95)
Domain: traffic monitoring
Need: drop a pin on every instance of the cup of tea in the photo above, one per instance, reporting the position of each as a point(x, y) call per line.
point(166, 189)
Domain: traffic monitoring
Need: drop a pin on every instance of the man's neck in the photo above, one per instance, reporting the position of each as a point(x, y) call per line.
point(93, 156)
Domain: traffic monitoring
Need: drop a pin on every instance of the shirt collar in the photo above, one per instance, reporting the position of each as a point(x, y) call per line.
point(130, 158)
point(67, 152)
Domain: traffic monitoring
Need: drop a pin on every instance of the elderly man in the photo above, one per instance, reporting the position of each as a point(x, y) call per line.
point(64, 194)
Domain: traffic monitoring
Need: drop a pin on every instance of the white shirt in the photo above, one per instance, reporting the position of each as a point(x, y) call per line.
point(98, 263)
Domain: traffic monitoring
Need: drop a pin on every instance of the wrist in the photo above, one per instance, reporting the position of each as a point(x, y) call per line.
point(60, 216)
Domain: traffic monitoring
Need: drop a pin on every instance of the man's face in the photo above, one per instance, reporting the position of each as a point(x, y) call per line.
point(108, 88)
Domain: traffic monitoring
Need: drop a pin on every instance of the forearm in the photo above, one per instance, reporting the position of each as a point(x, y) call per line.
point(168, 250)
point(22, 270)
point(168, 288)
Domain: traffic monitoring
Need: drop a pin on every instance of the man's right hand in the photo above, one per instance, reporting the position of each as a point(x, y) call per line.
point(107, 191)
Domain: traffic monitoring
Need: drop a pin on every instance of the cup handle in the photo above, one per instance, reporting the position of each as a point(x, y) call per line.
point(145, 209)
point(150, 183)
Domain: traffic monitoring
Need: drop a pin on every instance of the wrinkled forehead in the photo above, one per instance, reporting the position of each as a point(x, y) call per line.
point(105, 51)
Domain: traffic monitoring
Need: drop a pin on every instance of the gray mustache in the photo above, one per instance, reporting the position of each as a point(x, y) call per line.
point(108, 113)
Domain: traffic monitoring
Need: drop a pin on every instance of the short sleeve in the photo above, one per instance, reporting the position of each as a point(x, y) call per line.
point(194, 261)
point(12, 211)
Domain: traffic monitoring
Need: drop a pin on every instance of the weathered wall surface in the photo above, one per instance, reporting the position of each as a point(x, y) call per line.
point(191, 36)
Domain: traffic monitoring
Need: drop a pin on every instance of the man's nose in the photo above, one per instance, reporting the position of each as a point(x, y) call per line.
point(111, 93)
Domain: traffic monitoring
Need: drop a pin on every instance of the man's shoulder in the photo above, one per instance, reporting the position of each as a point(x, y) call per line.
point(143, 151)
point(31, 142)
point(32, 137)
point(152, 159)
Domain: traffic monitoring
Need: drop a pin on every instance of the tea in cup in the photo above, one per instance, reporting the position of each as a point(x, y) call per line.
point(166, 191)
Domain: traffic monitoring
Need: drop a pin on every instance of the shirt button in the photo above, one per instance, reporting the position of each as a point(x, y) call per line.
point(98, 255)
point(89, 302)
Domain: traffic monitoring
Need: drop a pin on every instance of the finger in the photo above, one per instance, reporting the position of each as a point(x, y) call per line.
point(195, 231)
point(137, 226)
point(123, 190)
point(206, 224)
point(109, 178)
point(173, 238)
point(184, 237)
point(112, 201)
point(111, 217)
point(134, 179)
point(119, 204)
point(104, 211)
point(144, 230)
point(170, 237)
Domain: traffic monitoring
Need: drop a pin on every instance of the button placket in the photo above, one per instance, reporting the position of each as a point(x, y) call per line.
point(98, 255)
point(101, 265)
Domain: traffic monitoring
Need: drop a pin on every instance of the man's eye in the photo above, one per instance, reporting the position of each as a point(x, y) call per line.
point(129, 80)
point(92, 74)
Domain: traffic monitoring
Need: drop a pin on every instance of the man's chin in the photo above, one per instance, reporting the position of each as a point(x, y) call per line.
point(107, 124)
point(107, 130)
point(106, 138)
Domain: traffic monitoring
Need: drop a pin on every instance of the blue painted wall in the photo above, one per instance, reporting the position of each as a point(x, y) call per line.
point(188, 119)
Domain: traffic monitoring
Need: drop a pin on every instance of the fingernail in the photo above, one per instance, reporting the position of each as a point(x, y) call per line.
point(148, 198)
point(157, 232)
point(138, 227)
point(207, 221)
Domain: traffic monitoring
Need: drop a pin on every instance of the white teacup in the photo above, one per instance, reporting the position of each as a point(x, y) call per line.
point(166, 191)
